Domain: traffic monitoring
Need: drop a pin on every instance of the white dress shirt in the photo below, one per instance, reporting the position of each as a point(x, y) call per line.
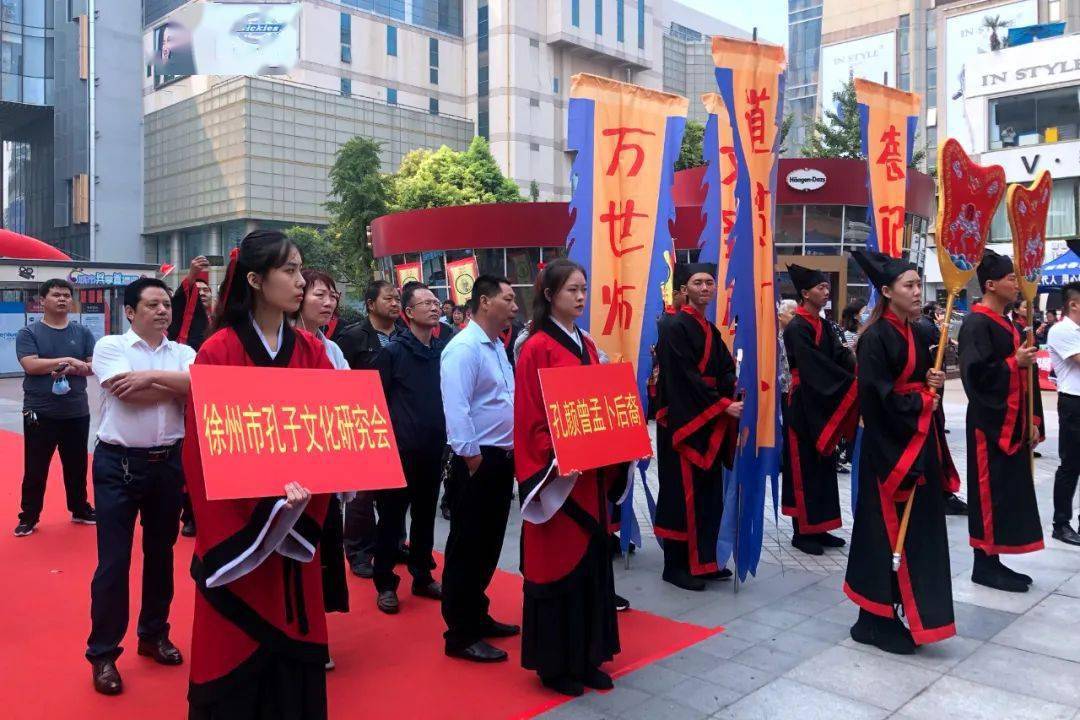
point(1064, 342)
point(139, 425)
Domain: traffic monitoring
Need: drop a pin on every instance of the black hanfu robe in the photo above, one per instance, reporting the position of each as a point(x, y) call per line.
point(1003, 515)
point(190, 320)
point(820, 407)
point(695, 437)
point(903, 449)
point(569, 623)
point(258, 646)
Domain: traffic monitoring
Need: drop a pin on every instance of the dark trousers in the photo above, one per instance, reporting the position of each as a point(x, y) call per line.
point(1069, 450)
point(360, 527)
point(422, 474)
point(129, 484)
point(41, 438)
point(481, 506)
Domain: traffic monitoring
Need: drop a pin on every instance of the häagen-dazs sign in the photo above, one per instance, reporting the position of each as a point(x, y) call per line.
point(805, 179)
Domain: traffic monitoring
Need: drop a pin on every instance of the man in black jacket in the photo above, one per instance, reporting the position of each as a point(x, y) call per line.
point(361, 345)
point(409, 367)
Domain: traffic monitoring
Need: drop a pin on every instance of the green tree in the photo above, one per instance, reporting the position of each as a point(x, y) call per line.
point(316, 248)
point(534, 191)
point(446, 177)
point(690, 152)
point(840, 136)
point(358, 195)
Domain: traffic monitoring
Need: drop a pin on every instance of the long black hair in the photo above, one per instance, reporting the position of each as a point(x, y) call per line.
point(260, 252)
point(550, 280)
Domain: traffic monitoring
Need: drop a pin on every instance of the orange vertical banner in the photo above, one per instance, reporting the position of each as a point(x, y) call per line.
point(888, 118)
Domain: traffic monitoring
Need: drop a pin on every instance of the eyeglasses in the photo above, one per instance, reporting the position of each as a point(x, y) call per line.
point(426, 303)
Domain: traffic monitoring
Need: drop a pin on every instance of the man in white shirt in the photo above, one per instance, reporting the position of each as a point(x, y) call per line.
point(137, 472)
point(1064, 342)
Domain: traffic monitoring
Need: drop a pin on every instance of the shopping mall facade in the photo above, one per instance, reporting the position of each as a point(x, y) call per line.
point(821, 215)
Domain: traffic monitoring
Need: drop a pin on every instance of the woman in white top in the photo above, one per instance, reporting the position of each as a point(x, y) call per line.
point(316, 312)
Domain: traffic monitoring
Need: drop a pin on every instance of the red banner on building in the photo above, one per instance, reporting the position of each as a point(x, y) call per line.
point(407, 273)
point(595, 416)
point(261, 428)
point(461, 274)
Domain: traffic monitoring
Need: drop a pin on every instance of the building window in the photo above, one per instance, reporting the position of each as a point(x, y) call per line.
point(534, 102)
point(1053, 11)
point(1060, 220)
point(346, 53)
point(346, 29)
point(931, 60)
point(433, 76)
point(620, 21)
point(575, 13)
point(534, 43)
point(391, 40)
point(433, 60)
point(391, 96)
point(641, 24)
point(482, 125)
point(535, 147)
point(1034, 118)
point(555, 85)
point(482, 28)
point(433, 106)
point(904, 49)
point(482, 81)
point(599, 17)
point(346, 87)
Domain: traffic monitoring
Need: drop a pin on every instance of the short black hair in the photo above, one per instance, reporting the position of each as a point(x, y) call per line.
point(373, 290)
point(133, 291)
point(485, 286)
point(410, 289)
point(48, 285)
point(1070, 291)
point(448, 300)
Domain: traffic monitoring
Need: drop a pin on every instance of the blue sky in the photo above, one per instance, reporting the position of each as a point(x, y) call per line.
point(770, 16)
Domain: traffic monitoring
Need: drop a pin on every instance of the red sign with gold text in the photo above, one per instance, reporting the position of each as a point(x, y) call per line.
point(594, 415)
point(261, 428)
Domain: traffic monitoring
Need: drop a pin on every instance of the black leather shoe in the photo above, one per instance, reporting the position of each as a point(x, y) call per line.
point(564, 685)
point(888, 634)
point(479, 652)
point(1066, 534)
point(1027, 579)
point(954, 505)
point(388, 602)
point(684, 580)
point(597, 679)
point(495, 629)
point(363, 568)
point(430, 589)
point(808, 544)
point(830, 541)
point(162, 651)
point(107, 678)
point(721, 574)
point(188, 530)
point(988, 571)
point(621, 603)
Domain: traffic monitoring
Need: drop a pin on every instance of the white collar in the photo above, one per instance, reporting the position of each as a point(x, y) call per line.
point(572, 332)
point(262, 338)
point(132, 339)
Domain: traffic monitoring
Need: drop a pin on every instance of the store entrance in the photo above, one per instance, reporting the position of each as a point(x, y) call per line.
point(834, 267)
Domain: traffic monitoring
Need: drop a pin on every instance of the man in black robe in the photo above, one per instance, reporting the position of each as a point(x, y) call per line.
point(696, 425)
point(1003, 516)
point(819, 409)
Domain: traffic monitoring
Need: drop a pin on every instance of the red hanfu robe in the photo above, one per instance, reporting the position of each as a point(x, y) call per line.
point(1003, 514)
point(695, 437)
point(903, 449)
point(569, 620)
point(259, 634)
point(819, 409)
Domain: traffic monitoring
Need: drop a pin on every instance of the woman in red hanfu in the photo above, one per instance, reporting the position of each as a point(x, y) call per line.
point(569, 627)
point(258, 648)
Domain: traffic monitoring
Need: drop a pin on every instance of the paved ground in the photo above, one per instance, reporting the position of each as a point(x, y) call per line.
point(786, 651)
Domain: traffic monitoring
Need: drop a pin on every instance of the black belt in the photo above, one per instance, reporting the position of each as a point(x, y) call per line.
point(153, 454)
point(497, 452)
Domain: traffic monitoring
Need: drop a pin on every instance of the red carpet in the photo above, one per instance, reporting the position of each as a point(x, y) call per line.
point(386, 666)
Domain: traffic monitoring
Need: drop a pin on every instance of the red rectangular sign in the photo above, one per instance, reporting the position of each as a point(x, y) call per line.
point(261, 428)
point(594, 415)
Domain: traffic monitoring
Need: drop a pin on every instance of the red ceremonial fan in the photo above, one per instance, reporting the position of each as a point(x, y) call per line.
point(166, 269)
point(970, 195)
point(1028, 207)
